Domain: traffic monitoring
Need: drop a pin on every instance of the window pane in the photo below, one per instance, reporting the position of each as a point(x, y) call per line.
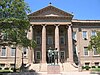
point(95, 52)
point(62, 40)
point(93, 33)
point(74, 35)
point(38, 40)
point(84, 34)
point(2, 65)
point(85, 51)
point(50, 40)
point(3, 52)
point(38, 55)
point(12, 51)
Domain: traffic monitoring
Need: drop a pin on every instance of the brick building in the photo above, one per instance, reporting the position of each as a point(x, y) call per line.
point(56, 29)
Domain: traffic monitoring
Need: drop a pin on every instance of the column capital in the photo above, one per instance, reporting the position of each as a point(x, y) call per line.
point(57, 25)
point(43, 25)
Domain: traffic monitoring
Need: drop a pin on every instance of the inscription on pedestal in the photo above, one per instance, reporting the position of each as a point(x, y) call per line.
point(53, 69)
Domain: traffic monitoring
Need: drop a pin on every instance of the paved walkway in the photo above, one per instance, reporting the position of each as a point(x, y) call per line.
point(71, 73)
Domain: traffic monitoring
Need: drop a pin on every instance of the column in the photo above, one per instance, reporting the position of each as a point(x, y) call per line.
point(31, 52)
point(57, 40)
point(70, 44)
point(44, 44)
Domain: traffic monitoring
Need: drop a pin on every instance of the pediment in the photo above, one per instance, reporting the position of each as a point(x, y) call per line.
point(50, 11)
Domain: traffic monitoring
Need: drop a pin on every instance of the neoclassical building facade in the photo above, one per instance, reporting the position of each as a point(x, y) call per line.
point(56, 29)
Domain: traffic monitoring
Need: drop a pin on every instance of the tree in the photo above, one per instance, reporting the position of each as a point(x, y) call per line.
point(14, 24)
point(95, 43)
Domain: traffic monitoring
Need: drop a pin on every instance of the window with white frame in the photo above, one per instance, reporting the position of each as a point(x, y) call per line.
point(86, 51)
point(3, 51)
point(12, 65)
point(13, 51)
point(50, 40)
point(25, 51)
point(38, 55)
point(38, 40)
point(74, 35)
point(94, 51)
point(93, 33)
point(62, 40)
point(84, 35)
point(2, 65)
point(62, 55)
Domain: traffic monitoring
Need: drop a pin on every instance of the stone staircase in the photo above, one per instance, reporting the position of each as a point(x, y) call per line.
point(68, 67)
point(63, 67)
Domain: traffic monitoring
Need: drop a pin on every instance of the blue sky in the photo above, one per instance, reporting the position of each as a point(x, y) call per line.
point(82, 9)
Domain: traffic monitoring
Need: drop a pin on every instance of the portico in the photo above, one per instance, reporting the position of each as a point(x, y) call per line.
point(54, 36)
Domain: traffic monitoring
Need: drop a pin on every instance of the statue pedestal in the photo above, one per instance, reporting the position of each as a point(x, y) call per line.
point(53, 69)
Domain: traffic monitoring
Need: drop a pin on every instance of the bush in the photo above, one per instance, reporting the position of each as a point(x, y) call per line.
point(83, 67)
point(96, 69)
point(0, 68)
point(6, 68)
point(98, 66)
point(93, 67)
point(5, 71)
point(87, 67)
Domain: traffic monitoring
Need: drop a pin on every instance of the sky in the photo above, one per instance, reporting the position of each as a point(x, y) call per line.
point(81, 9)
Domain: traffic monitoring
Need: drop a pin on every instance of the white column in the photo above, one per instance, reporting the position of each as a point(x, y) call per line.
point(31, 53)
point(44, 44)
point(57, 39)
point(70, 44)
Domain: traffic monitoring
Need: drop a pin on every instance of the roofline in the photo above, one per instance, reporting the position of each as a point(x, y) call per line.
point(51, 6)
point(86, 21)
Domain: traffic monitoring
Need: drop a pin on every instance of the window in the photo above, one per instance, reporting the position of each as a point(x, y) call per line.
point(94, 51)
point(3, 52)
point(50, 40)
point(74, 35)
point(62, 56)
point(85, 51)
point(38, 40)
point(12, 65)
point(13, 51)
point(93, 33)
point(84, 35)
point(62, 40)
point(2, 65)
point(38, 55)
point(25, 51)
point(87, 64)
point(96, 63)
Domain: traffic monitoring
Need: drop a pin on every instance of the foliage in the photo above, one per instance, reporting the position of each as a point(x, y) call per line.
point(14, 23)
point(93, 67)
point(86, 67)
point(5, 71)
point(96, 69)
point(95, 43)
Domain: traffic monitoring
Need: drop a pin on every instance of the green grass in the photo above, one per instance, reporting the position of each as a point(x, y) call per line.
point(96, 69)
point(6, 71)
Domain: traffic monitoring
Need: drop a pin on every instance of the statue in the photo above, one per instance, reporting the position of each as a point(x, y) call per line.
point(56, 55)
point(50, 55)
point(53, 55)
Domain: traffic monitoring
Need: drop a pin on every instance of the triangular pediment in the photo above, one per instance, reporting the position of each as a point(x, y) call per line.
point(50, 11)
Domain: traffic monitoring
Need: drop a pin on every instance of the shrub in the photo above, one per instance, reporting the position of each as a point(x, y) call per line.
point(0, 68)
point(83, 67)
point(87, 67)
point(93, 67)
point(6, 68)
point(98, 66)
